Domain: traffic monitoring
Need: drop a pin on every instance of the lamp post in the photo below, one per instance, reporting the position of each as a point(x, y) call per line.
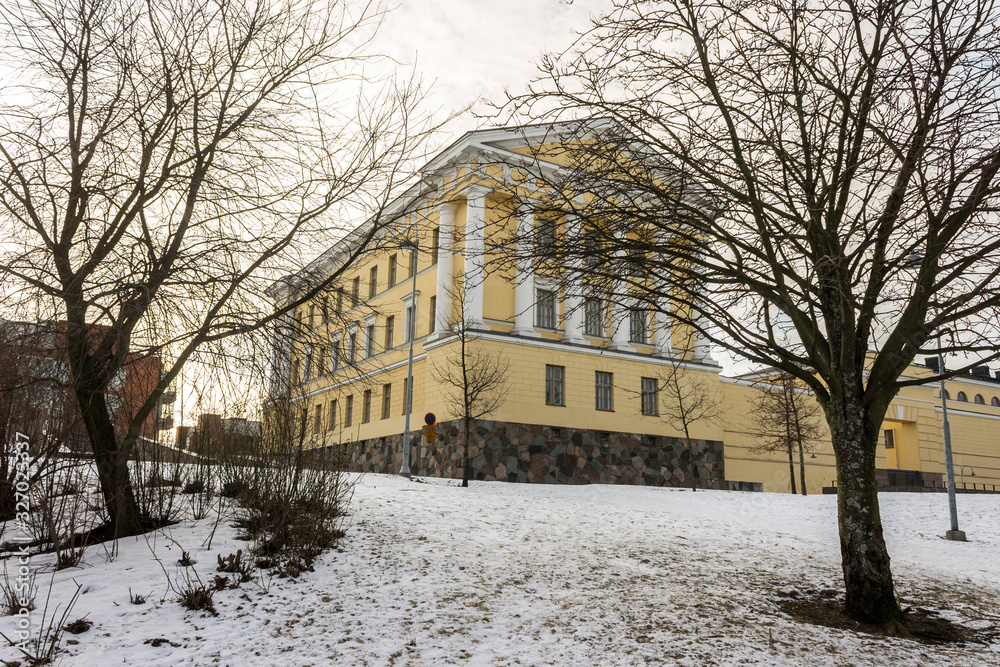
point(913, 262)
point(949, 464)
point(411, 327)
point(972, 474)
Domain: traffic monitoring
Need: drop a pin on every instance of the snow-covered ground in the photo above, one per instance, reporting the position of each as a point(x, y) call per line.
point(510, 574)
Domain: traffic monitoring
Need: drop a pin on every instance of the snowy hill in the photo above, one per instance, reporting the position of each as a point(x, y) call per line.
point(503, 574)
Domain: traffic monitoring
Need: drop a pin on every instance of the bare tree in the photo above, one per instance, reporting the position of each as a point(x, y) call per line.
point(164, 162)
point(785, 417)
point(687, 399)
point(476, 378)
point(794, 159)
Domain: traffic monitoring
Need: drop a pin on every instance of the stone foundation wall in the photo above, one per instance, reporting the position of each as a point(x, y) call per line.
point(544, 454)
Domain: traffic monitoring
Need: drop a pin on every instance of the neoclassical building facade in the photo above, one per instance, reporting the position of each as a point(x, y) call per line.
point(584, 400)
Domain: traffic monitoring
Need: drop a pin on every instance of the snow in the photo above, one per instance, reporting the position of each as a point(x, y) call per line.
point(510, 574)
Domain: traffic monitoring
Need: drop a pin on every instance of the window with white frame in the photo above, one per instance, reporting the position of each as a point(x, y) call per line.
point(603, 395)
point(649, 392)
point(545, 235)
point(352, 347)
point(335, 354)
point(593, 317)
point(637, 325)
point(554, 385)
point(545, 309)
point(370, 340)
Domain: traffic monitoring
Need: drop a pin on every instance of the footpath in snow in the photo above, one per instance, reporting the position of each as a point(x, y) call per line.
point(509, 574)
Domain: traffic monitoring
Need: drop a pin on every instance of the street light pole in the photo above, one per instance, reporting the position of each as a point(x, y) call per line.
point(949, 466)
point(412, 331)
point(913, 261)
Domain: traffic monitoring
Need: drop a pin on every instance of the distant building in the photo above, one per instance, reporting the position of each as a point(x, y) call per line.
point(36, 394)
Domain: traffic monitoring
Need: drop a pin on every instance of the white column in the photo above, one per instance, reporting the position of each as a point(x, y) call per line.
point(661, 329)
point(524, 281)
point(445, 268)
point(700, 347)
point(619, 313)
point(573, 303)
point(475, 243)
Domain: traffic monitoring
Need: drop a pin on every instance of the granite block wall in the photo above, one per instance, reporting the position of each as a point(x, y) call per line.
point(551, 455)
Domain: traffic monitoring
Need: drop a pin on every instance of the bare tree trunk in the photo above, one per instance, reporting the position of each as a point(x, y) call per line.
point(865, 560)
point(465, 451)
point(791, 466)
point(802, 468)
point(112, 464)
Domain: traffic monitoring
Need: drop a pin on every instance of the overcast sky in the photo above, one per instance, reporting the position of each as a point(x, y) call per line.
point(473, 49)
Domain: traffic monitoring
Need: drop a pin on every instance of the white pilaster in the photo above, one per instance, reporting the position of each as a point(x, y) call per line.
point(573, 304)
point(475, 244)
point(700, 346)
point(524, 281)
point(445, 268)
point(619, 313)
point(661, 330)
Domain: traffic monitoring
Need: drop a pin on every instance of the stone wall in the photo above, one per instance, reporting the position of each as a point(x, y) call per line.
point(544, 454)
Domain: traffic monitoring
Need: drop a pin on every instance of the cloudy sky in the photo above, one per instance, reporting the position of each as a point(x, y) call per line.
point(473, 49)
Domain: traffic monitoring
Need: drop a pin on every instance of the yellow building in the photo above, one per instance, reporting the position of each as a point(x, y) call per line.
point(585, 399)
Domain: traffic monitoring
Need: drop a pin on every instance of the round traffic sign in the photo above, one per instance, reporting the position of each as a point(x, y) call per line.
point(429, 418)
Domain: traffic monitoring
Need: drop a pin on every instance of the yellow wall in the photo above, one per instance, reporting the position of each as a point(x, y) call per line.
point(914, 417)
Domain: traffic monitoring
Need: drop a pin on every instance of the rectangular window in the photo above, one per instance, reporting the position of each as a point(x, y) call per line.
point(352, 347)
point(318, 418)
point(386, 400)
point(890, 439)
point(637, 325)
point(636, 263)
point(413, 262)
point(373, 282)
point(545, 309)
point(307, 364)
point(591, 248)
point(335, 356)
point(312, 316)
point(333, 414)
point(602, 391)
point(349, 411)
point(554, 385)
point(649, 394)
point(409, 324)
point(326, 309)
point(355, 291)
point(295, 371)
point(545, 235)
point(435, 244)
point(593, 317)
point(366, 408)
point(340, 301)
point(321, 362)
point(433, 325)
point(392, 271)
point(407, 396)
point(390, 331)
point(370, 341)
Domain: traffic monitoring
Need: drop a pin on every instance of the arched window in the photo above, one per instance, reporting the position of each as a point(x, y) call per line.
point(979, 399)
point(947, 394)
point(995, 402)
point(962, 398)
